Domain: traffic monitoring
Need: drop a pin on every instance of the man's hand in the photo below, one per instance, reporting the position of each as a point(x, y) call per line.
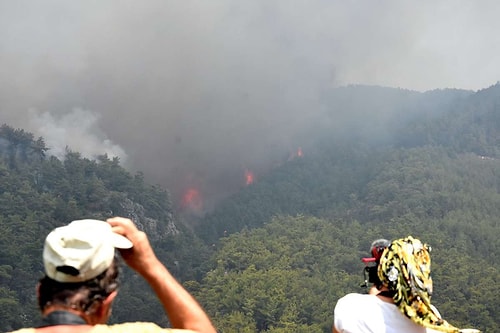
point(141, 256)
point(182, 309)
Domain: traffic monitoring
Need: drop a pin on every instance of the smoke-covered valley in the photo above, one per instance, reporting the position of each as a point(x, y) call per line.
point(198, 96)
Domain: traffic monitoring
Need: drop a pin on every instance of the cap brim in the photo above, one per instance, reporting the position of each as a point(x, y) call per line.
point(120, 242)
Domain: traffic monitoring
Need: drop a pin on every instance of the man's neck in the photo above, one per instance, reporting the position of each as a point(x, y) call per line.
point(383, 293)
point(60, 315)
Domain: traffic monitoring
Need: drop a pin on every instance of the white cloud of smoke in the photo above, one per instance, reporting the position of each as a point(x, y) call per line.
point(76, 131)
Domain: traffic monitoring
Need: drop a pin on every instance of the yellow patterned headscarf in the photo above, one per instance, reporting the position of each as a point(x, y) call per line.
point(405, 268)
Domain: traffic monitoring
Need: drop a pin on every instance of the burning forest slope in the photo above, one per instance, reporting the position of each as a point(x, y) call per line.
point(280, 241)
point(336, 176)
point(428, 166)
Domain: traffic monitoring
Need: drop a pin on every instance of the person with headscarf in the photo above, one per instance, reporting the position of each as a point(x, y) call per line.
point(400, 298)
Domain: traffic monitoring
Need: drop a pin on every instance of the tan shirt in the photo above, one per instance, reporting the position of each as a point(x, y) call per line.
point(138, 327)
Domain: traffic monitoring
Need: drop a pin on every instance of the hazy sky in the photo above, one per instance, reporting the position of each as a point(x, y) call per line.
point(193, 93)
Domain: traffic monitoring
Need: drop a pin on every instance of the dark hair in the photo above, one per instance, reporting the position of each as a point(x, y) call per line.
point(80, 295)
point(370, 271)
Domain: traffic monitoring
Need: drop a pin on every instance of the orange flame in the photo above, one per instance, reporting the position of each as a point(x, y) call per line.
point(299, 152)
point(192, 199)
point(249, 177)
point(295, 154)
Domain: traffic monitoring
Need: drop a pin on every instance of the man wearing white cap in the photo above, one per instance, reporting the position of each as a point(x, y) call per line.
point(77, 293)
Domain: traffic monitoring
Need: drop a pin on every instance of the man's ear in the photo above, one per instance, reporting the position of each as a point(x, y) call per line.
point(106, 307)
point(111, 297)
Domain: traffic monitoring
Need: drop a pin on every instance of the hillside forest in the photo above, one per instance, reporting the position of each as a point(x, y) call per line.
point(277, 255)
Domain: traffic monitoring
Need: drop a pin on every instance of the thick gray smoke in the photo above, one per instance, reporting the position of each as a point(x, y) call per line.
point(193, 93)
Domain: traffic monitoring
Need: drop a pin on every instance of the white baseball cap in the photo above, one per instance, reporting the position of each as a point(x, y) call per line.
point(81, 250)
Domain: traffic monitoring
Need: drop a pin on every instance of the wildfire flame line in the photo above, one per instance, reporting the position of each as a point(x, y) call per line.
point(192, 200)
point(249, 177)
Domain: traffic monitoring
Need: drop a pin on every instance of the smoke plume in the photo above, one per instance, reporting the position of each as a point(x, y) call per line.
point(75, 131)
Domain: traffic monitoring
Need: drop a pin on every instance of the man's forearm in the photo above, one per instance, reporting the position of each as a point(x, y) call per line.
point(182, 309)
